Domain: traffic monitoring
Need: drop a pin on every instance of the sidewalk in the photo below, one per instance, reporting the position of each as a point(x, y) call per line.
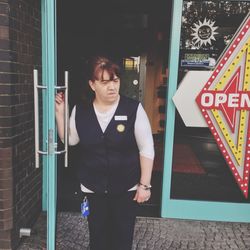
point(150, 233)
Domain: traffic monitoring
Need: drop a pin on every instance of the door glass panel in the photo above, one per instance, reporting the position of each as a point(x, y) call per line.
point(136, 35)
point(199, 171)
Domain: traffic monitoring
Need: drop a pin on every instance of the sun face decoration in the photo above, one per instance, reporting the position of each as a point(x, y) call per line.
point(204, 32)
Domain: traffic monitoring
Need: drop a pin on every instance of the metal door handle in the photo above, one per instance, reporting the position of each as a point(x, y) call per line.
point(66, 126)
point(36, 117)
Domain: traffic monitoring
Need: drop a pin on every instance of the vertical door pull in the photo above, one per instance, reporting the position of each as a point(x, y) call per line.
point(66, 125)
point(36, 117)
point(66, 115)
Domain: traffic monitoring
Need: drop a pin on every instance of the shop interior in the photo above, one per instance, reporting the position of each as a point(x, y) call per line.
point(135, 34)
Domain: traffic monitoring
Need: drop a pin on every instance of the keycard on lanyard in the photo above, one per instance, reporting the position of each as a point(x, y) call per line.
point(85, 207)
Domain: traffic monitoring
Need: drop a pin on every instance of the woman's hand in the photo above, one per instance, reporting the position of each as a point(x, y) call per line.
point(142, 195)
point(59, 107)
point(59, 103)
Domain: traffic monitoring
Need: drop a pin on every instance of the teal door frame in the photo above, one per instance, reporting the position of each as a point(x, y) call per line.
point(171, 208)
point(49, 79)
point(188, 209)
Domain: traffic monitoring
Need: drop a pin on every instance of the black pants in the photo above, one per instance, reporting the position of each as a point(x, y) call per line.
point(111, 221)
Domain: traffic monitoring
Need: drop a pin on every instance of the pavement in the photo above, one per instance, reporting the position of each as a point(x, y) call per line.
point(150, 233)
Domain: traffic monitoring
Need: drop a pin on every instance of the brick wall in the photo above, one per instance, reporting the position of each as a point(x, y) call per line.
point(20, 182)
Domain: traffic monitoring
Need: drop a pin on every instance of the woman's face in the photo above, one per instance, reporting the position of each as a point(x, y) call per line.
point(106, 90)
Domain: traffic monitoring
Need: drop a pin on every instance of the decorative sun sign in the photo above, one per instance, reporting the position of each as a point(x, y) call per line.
point(204, 32)
point(225, 104)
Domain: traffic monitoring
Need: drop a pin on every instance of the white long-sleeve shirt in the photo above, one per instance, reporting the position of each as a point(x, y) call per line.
point(142, 131)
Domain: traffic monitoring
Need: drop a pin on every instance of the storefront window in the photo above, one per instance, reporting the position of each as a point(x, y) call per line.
point(207, 27)
point(199, 170)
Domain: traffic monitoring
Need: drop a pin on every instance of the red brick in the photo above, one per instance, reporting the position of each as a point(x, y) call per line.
point(6, 224)
point(6, 184)
point(5, 194)
point(5, 235)
point(6, 214)
point(5, 173)
point(20, 49)
point(5, 244)
point(5, 153)
point(5, 163)
point(4, 20)
point(4, 32)
point(6, 143)
point(6, 204)
point(4, 8)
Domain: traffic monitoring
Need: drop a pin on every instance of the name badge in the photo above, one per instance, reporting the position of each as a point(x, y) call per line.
point(121, 118)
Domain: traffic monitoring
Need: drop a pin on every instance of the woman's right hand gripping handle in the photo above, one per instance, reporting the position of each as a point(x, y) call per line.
point(59, 108)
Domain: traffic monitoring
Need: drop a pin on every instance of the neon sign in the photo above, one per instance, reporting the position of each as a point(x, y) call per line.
point(224, 102)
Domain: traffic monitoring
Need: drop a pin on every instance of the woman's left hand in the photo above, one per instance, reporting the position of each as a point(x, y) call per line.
point(142, 195)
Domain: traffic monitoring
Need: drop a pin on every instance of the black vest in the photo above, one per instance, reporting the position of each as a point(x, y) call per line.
point(109, 161)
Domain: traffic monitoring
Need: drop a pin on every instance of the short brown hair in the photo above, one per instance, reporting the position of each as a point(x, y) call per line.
point(99, 64)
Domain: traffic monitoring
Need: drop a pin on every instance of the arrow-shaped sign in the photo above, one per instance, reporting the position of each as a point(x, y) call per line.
point(224, 102)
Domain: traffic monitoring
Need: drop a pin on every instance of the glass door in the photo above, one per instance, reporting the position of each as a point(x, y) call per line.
point(199, 182)
point(44, 93)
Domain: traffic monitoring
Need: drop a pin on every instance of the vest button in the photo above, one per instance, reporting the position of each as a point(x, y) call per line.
point(106, 191)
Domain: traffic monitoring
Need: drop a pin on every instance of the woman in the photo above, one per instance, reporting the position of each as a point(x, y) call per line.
point(116, 158)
